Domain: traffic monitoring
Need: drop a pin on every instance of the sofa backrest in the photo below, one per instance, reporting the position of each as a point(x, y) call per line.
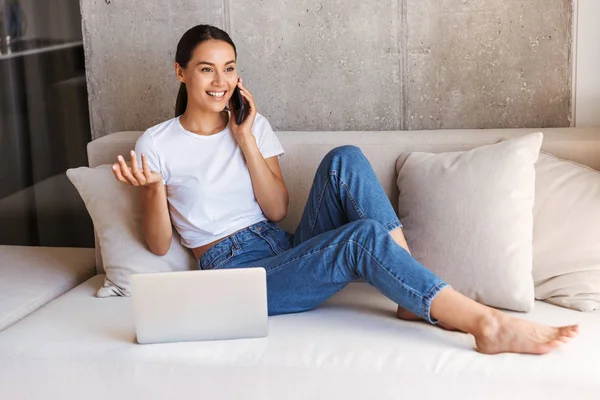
point(304, 151)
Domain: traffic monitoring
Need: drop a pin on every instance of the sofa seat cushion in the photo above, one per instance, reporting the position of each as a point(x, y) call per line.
point(81, 346)
point(32, 276)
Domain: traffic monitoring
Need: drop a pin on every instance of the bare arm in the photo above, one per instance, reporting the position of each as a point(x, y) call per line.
point(267, 181)
point(156, 222)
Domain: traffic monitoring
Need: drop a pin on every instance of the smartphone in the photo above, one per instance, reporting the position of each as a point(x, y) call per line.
point(239, 106)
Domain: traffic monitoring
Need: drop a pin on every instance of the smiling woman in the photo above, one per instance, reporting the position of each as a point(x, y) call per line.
point(238, 181)
point(219, 183)
point(213, 39)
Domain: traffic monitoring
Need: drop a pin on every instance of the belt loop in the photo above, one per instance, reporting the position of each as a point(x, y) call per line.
point(236, 244)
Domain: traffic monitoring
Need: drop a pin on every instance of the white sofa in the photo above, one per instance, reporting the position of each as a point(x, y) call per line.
point(78, 346)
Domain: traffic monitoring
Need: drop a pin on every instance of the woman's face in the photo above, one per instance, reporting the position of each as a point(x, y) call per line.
point(210, 76)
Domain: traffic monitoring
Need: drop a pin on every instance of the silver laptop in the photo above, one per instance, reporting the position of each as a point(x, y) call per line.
point(200, 305)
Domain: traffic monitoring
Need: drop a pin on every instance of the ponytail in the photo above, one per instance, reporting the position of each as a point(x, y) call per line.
point(182, 100)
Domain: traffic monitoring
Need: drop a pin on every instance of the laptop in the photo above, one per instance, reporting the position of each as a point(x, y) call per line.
point(200, 305)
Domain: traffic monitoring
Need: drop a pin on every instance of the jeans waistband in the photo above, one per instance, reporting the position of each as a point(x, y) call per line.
point(249, 231)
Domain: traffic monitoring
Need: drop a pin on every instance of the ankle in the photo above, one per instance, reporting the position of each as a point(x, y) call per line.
point(487, 324)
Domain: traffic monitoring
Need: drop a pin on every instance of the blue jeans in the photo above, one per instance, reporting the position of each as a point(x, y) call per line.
point(343, 236)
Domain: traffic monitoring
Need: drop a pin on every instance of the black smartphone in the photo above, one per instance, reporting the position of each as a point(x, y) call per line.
point(239, 106)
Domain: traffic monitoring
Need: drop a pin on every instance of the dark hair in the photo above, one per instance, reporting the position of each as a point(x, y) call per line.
point(185, 48)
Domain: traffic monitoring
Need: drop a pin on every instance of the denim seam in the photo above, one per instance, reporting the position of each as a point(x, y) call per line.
point(226, 254)
point(228, 257)
point(235, 242)
point(272, 245)
point(352, 199)
point(426, 307)
point(393, 225)
point(302, 256)
point(408, 288)
point(313, 223)
point(270, 240)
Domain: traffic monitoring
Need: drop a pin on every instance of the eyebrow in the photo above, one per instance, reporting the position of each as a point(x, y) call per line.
point(209, 63)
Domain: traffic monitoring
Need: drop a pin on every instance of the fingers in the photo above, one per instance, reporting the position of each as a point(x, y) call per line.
point(248, 96)
point(232, 120)
point(126, 173)
point(136, 172)
point(243, 88)
point(116, 169)
point(250, 100)
point(145, 167)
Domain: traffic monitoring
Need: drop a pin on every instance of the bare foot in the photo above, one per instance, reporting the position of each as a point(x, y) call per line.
point(501, 333)
point(408, 316)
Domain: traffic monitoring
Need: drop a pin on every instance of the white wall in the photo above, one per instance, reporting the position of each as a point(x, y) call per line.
point(587, 63)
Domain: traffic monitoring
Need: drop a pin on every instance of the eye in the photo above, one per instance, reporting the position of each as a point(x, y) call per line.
point(206, 69)
point(230, 69)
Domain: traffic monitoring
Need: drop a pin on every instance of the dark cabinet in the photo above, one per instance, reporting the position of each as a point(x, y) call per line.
point(44, 129)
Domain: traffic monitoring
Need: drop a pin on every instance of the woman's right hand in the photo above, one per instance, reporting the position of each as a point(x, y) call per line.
point(135, 176)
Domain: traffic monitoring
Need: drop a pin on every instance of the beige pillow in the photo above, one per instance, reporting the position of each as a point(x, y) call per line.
point(566, 235)
point(468, 217)
point(116, 213)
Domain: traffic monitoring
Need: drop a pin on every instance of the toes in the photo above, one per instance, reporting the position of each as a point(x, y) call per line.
point(554, 343)
point(570, 331)
point(547, 347)
point(574, 329)
point(564, 339)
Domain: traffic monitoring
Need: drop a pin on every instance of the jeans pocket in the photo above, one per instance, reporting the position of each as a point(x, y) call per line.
point(277, 239)
point(218, 255)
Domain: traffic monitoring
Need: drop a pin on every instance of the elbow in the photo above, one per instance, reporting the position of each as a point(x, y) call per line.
point(277, 215)
point(277, 218)
point(282, 210)
point(160, 248)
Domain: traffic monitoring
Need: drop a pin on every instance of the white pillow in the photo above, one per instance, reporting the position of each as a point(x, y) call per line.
point(566, 235)
point(116, 212)
point(468, 217)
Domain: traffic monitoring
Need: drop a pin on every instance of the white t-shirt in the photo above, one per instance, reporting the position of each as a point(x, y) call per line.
point(208, 184)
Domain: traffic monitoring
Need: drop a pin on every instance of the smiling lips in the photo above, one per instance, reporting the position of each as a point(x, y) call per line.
point(217, 95)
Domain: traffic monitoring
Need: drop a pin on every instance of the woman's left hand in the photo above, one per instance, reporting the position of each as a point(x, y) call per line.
point(243, 131)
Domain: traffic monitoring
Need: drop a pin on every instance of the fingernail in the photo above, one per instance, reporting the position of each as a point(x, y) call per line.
point(120, 158)
point(132, 152)
point(114, 167)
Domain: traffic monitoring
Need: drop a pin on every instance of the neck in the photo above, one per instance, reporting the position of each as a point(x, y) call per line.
point(202, 121)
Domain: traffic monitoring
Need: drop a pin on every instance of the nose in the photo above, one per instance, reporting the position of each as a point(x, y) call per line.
point(218, 79)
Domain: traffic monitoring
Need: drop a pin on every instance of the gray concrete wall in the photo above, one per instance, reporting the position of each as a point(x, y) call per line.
point(343, 65)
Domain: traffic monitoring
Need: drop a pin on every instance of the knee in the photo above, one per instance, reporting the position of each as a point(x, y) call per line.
point(364, 234)
point(345, 153)
point(368, 227)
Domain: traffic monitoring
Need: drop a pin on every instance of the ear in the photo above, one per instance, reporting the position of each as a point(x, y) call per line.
point(179, 73)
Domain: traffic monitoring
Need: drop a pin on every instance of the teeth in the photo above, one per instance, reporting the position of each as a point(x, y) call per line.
point(216, 94)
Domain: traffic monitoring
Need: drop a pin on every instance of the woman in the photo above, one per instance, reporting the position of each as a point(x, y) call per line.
point(220, 185)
